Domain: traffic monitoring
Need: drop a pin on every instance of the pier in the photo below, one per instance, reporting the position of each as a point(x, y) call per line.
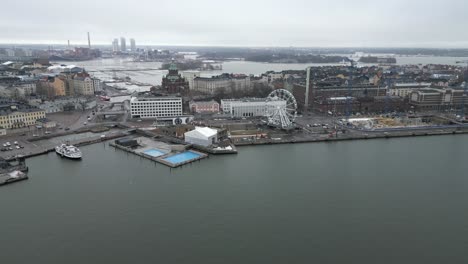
point(171, 155)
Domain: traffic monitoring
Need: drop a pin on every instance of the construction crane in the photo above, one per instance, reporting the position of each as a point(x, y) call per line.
point(465, 90)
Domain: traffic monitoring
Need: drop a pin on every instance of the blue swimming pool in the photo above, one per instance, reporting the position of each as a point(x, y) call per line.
point(182, 157)
point(154, 152)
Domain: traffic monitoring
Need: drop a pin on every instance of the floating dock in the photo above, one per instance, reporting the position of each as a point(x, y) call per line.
point(14, 176)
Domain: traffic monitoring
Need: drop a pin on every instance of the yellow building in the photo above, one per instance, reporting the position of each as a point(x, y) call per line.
point(60, 86)
point(20, 118)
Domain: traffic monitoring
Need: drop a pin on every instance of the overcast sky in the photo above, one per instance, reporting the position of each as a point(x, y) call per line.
point(308, 23)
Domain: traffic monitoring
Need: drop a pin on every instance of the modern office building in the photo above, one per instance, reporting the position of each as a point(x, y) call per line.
point(115, 45)
point(123, 45)
point(132, 45)
point(438, 99)
point(155, 107)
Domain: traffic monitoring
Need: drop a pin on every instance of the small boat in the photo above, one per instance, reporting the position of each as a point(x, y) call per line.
point(68, 151)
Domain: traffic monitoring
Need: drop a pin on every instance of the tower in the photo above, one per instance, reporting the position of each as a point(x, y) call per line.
point(306, 103)
point(115, 45)
point(123, 45)
point(132, 45)
point(89, 41)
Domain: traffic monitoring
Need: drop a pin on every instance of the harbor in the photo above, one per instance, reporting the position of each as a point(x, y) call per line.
point(294, 190)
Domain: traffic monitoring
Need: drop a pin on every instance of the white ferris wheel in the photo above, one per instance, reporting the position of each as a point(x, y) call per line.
point(282, 109)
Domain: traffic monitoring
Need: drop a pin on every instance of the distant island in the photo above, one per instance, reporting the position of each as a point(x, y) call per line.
point(288, 58)
point(192, 65)
point(373, 59)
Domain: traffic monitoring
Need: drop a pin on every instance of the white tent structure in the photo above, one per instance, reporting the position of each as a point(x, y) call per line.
point(203, 136)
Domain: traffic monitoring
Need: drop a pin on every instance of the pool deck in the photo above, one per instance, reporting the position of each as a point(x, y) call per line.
point(150, 144)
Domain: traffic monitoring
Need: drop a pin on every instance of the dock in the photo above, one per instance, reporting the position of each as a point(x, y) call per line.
point(6, 178)
point(171, 155)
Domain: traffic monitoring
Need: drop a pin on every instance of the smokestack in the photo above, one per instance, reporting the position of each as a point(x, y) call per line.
point(89, 41)
point(306, 103)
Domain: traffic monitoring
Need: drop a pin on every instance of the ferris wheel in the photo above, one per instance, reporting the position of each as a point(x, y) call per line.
point(282, 109)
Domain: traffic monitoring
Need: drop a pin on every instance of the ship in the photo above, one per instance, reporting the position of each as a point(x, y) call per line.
point(68, 151)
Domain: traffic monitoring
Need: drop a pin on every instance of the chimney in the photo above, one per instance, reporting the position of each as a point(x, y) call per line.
point(89, 41)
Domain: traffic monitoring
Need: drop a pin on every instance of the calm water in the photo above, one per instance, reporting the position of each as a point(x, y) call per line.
point(379, 201)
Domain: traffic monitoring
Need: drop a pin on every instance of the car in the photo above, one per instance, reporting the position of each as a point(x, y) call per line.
point(4, 145)
point(47, 132)
point(17, 147)
point(85, 123)
point(89, 118)
point(34, 135)
point(16, 142)
point(24, 134)
point(67, 128)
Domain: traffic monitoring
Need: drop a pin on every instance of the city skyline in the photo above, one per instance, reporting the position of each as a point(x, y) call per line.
point(361, 23)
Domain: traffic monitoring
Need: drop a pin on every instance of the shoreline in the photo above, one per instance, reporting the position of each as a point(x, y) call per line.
point(350, 138)
point(390, 135)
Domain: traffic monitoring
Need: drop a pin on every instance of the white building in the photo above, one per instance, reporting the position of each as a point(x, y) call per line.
point(132, 45)
point(405, 89)
point(203, 136)
point(155, 107)
point(249, 107)
point(115, 45)
point(123, 45)
point(190, 77)
point(222, 82)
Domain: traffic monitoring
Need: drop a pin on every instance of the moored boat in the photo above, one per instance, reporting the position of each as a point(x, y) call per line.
point(68, 151)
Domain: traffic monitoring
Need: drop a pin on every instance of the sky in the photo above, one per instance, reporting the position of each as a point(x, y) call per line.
point(261, 23)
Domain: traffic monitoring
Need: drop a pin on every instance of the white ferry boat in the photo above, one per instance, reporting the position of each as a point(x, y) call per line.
point(68, 151)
